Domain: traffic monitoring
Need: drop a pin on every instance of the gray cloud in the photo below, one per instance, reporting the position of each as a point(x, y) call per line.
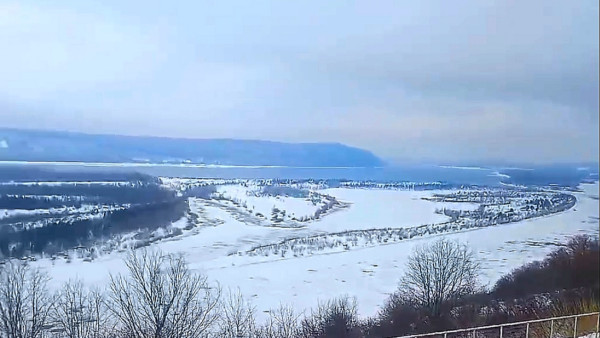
point(433, 80)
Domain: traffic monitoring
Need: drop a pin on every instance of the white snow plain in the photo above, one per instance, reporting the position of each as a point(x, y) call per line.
point(370, 274)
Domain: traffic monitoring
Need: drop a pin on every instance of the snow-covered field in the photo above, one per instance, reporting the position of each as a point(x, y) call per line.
point(227, 230)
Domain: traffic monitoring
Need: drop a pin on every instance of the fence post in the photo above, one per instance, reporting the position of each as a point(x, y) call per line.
point(527, 331)
point(575, 327)
point(500, 331)
point(597, 324)
point(551, 327)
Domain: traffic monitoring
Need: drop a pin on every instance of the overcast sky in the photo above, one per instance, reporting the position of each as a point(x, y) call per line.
point(442, 81)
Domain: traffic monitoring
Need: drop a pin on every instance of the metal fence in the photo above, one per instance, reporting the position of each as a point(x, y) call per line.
point(582, 325)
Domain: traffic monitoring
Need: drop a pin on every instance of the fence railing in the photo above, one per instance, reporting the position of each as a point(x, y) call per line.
point(581, 325)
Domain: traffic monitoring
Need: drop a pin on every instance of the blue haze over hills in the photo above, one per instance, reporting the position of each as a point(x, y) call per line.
point(287, 161)
point(49, 146)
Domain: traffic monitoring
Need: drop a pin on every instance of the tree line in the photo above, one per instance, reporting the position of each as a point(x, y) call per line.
point(160, 297)
point(112, 208)
point(62, 234)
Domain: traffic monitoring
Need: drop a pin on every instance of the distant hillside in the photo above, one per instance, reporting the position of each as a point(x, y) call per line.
point(35, 145)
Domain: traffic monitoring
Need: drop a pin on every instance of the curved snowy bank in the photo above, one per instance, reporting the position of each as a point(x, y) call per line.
point(501, 210)
point(372, 273)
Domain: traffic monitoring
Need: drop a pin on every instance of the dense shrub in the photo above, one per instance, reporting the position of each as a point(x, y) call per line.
point(335, 318)
point(566, 282)
point(576, 265)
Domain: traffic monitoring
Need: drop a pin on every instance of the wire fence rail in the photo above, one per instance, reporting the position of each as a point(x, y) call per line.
point(581, 325)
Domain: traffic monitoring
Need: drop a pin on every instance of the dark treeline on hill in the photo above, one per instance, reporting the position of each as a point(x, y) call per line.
point(60, 234)
point(185, 304)
point(559, 174)
point(37, 145)
point(20, 173)
point(52, 214)
point(13, 196)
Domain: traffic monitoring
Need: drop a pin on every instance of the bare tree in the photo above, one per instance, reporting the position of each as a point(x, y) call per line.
point(24, 301)
point(283, 322)
point(438, 272)
point(162, 298)
point(79, 313)
point(236, 316)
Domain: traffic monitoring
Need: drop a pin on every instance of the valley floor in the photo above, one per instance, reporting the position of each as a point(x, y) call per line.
point(369, 273)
